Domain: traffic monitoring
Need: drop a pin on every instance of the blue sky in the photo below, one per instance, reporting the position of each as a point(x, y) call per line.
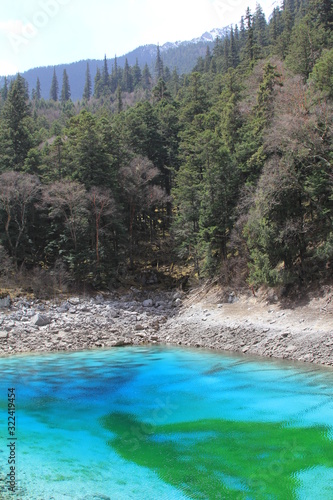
point(49, 32)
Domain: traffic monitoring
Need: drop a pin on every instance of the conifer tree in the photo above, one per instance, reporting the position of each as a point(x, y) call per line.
point(249, 48)
point(38, 90)
point(233, 50)
point(136, 74)
point(119, 100)
point(105, 75)
point(88, 85)
point(260, 27)
point(4, 90)
point(208, 59)
point(127, 78)
point(242, 32)
point(98, 84)
point(54, 92)
point(167, 74)
point(174, 82)
point(114, 79)
point(146, 77)
point(159, 70)
point(16, 138)
point(65, 91)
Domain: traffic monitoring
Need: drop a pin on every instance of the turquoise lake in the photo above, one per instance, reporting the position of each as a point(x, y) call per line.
point(167, 423)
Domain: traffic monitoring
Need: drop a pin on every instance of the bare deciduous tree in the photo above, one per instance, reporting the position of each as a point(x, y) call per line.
point(18, 192)
point(68, 200)
point(141, 194)
point(102, 206)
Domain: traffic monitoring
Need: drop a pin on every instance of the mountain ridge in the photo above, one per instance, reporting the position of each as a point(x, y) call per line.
point(182, 55)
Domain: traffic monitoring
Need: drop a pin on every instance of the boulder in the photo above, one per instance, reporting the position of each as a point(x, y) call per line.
point(139, 327)
point(99, 299)
point(232, 298)
point(147, 303)
point(41, 320)
point(4, 301)
point(63, 308)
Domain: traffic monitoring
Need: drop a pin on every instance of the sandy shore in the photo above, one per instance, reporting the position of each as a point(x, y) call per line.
point(243, 324)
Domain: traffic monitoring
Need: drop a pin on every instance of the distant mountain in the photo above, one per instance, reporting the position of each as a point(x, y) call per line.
point(182, 55)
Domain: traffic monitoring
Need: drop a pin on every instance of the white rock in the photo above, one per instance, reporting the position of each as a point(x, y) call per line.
point(147, 303)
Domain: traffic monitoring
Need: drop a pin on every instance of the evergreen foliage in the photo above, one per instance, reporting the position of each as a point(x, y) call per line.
point(227, 169)
point(87, 91)
point(65, 91)
point(54, 91)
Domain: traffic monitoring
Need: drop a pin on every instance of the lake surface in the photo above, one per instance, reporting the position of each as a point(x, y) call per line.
point(167, 423)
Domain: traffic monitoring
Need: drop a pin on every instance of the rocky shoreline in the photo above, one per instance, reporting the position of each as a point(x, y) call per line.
point(246, 325)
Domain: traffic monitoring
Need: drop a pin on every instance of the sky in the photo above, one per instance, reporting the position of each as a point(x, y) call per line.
point(37, 33)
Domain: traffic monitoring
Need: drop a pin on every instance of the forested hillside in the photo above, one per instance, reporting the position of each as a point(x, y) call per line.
point(225, 172)
point(180, 55)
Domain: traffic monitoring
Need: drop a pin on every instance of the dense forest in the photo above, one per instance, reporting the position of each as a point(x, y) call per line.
point(225, 172)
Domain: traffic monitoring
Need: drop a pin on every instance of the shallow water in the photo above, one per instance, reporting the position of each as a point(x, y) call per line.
point(167, 423)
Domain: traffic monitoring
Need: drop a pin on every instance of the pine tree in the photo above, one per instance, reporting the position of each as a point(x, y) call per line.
point(127, 78)
point(146, 77)
point(88, 85)
point(260, 27)
point(174, 82)
point(54, 92)
point(98, 84)
point(160, 91)
point(65, 91)
point(249, 48)
point(136, 74)
point(119, 100)
point(16, 138)
point(114, 79)
point(105, 75)
point(208, 59)
point(38, 90)
point(242, 32)
point(233, 50)
point(159, 71)
point(4, 90)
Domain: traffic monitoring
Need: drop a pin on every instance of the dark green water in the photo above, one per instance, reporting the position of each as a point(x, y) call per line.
point(167, 423)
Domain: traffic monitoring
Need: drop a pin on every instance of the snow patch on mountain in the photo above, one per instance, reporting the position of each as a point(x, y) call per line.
point(208, 36)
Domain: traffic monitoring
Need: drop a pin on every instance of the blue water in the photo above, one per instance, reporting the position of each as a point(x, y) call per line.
point(62, 450)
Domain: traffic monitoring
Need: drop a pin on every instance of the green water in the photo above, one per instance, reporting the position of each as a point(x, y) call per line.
point(151, 423)
point(221, 458)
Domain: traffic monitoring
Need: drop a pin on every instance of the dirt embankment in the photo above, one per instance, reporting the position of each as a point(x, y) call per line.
point(208, 317)
point(260, 325)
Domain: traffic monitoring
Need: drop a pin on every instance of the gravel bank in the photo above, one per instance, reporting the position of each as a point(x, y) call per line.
point(245, 324)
